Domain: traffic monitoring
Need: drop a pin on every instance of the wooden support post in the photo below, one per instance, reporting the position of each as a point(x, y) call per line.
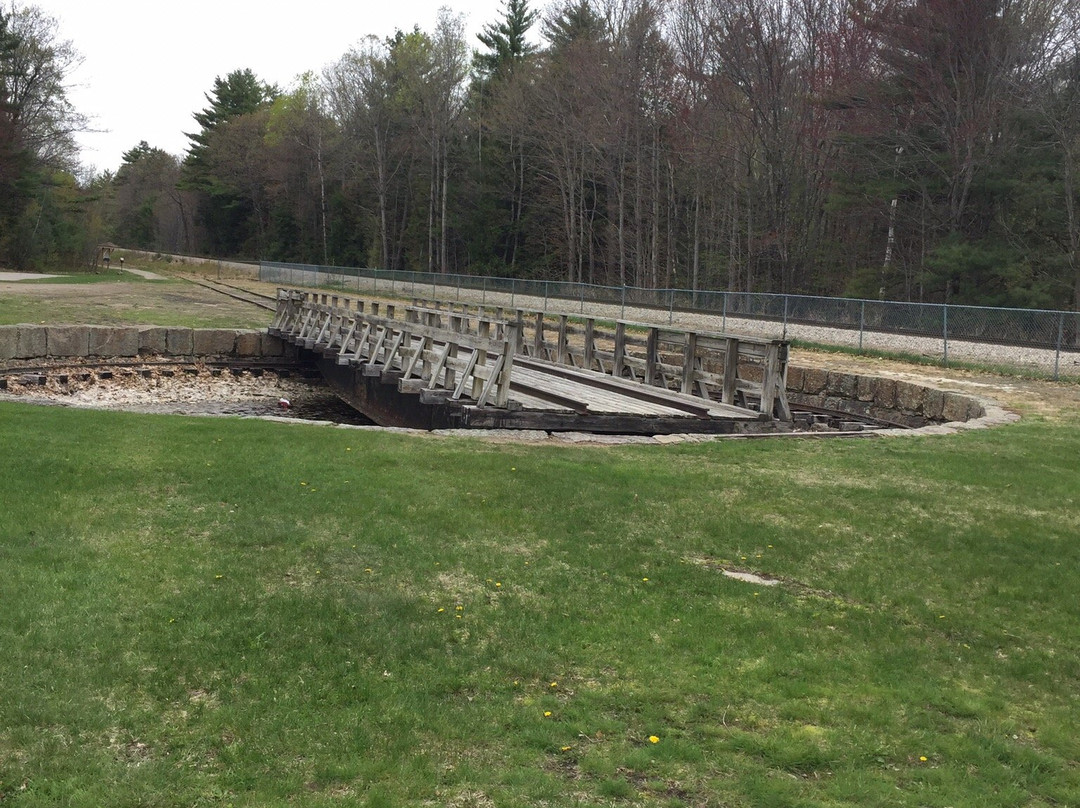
point(480, 358)
point(506, 366)
point(348, 338)
point(689, 363)
point(731, 371)
point(619, 359)
point(538, 337)
point(560, 346)
point(652, 358)
point(417, 357)
point(590, 343)
point(768, 381)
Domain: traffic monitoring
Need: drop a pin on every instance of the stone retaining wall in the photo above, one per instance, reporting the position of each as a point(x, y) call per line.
point(900, 402)
point(86, 341)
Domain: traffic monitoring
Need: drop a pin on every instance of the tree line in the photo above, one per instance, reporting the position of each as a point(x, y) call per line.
point(920, 150)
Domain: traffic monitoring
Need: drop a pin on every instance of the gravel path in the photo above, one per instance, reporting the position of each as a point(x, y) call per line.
point(1067, 363)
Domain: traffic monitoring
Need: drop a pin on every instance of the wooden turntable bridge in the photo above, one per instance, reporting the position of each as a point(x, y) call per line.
point(433, 364)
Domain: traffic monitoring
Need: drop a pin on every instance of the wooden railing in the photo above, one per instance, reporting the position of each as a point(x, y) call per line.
point(459, 356)
point(731, 369)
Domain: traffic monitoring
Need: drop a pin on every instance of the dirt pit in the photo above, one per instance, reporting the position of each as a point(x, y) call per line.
point(186, 390)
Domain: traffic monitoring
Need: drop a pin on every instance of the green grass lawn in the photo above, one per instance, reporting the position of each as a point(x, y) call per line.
point(101, 276)
point(124, 300)
point(200, 611)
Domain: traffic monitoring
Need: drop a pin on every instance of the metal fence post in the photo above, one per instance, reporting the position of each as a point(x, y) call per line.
point(671, 307)
point(785, 317)
point(945, 333)
point(622, 313)
point(513, 286)
point(1057, 350)
point(862, 323)
point(483, 292)
point(581, 293)
point(723, 321)
point(545, 295)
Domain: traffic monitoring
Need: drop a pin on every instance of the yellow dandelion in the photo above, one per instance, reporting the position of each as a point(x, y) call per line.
point(922, 758)
point(460, 608)
point(547, 713)
point(498, 584)
point(653, 739)
point(554, 684)
point(441, 610)
point(565, 748)
point(645, 579)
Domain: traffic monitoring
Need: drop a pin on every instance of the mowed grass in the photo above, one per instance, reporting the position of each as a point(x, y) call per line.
point(129, 300)
point(223, 612)
point(101, 276)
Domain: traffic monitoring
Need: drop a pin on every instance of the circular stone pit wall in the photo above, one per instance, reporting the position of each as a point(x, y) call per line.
point(25, 341)
point(900, 402)
point(894, 400)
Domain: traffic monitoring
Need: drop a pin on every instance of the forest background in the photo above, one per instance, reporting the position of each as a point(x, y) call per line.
point(921, 150)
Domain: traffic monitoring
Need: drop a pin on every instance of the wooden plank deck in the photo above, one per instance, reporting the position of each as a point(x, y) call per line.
point(437, 368)
point(601, 393)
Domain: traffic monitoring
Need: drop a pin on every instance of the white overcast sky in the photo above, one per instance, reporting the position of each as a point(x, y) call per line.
point(147, 65)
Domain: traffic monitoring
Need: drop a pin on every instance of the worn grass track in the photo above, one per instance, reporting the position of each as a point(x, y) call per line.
point(215, 611)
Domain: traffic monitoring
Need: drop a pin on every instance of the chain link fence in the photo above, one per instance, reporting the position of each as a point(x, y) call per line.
point(1048, 341)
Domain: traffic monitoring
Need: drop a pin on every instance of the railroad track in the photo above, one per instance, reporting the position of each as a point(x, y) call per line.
point(267, 302)
point(36, 375)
